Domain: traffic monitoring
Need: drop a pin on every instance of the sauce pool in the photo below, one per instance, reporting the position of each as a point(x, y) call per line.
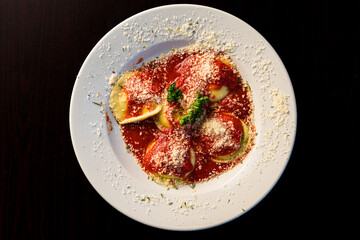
point(177, 67)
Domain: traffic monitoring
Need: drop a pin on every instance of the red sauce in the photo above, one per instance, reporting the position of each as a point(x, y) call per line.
point(193, 72)
point(109, 126)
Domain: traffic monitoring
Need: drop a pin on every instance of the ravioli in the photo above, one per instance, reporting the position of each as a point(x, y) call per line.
point(244, 143)
point(223, 137)
point(217, 93)
point(170, 156)
point(162, 120)
point(131, 101)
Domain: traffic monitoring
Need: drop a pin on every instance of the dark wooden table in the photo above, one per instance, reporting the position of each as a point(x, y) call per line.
point(43, 192)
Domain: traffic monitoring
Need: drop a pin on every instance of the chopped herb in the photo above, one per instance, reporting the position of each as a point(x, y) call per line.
point(170, 203)
point(162, 195)
point(192, 185)
point(99, 104)
point(173, 93)
point(196, 109)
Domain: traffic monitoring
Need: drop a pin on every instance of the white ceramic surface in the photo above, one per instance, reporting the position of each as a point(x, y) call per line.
point(115, 174)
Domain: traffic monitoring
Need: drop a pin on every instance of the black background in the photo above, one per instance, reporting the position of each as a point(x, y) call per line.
point(44, 193)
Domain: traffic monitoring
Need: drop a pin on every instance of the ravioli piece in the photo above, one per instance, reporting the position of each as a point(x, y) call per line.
point(217, 93)
point(226, 79)
point(245, 140)
point(171, 180)
point(170, 156)
point(223, 137)
point(162, 119)
point(134, 97)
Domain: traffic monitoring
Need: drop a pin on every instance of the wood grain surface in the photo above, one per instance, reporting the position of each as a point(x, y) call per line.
point(44, 193)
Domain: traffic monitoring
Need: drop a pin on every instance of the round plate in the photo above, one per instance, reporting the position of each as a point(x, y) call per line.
point(113, 171)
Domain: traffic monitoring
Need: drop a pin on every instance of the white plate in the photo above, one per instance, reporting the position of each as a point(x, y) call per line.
point(114, 173)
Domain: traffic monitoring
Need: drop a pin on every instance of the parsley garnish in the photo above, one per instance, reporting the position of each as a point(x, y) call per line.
point(173, 93)
point(196, 109)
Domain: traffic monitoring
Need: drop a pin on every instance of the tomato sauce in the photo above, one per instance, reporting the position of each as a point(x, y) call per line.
point(192, 72)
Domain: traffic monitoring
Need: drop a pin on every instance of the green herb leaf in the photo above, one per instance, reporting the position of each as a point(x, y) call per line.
point(173, 93)
point(99, 104)
point(196, 109)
